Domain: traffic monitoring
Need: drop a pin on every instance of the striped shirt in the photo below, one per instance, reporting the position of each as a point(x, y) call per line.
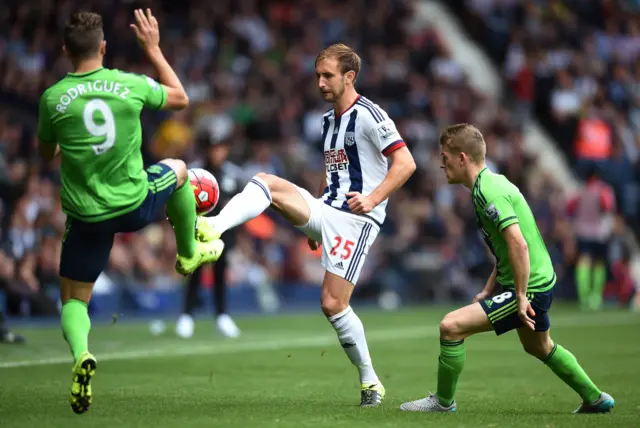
point(356, 146)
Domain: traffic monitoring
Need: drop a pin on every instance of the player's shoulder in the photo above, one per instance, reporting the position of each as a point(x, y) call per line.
point(370, 112)
point(131, 76)
point(328, 114)
point(60, 86)
point(118, 74)
point(491, 185)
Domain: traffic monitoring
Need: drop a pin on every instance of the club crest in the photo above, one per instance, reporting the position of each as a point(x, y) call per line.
point(349, 138)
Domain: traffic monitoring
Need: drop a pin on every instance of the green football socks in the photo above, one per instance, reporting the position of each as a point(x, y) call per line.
point(583, 282)
point(590, 281)
point(76, 326)
point(599, 281)
point(566, 367)
point(450, 365)
point(181, 208)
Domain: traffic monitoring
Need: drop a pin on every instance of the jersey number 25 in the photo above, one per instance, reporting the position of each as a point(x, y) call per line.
point(346, 247)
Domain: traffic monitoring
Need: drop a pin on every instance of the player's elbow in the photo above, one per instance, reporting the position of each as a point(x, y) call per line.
point(524, 247)
point(410, 166)
point(520, 247)
point(405, 162)
point(183, 101)
point(177, 99)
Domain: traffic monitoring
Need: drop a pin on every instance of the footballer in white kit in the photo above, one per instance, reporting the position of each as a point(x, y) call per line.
point(359, 138)
point(356, 145)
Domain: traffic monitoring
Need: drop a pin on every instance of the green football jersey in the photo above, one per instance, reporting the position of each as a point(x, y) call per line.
point(94, 117)
point(498, 204)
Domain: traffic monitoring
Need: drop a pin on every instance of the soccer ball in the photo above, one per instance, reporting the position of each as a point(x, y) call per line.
point(205, 188)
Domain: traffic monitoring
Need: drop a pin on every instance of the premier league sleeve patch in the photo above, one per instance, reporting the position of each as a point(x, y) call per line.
point(386, 130)
point(492, 212)
point(153, 83)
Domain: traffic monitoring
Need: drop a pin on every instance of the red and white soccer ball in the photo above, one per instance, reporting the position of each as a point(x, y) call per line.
point(205, 188)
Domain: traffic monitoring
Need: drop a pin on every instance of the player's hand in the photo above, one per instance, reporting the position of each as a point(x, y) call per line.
point(526, 312)
point(314, 245)
point(359, 203)
point(481, 296)
point(146, 29)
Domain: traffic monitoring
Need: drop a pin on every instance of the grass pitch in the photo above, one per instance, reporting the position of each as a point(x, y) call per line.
point(289, 371)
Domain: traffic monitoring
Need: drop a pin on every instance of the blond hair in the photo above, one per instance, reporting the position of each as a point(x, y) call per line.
point(464, 138)
point(347, 59)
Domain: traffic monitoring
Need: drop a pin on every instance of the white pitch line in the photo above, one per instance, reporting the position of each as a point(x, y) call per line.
point(231, 347)
point(382, 335)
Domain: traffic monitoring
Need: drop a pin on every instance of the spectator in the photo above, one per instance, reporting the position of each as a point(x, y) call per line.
point(249, 70)
point(593, 213)
point(587, 79)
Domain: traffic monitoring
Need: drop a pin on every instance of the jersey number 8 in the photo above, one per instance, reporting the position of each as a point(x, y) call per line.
point(107, 129)
point(502, 297)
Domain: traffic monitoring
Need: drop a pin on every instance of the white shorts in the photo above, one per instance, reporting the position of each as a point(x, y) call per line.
point(345, 237)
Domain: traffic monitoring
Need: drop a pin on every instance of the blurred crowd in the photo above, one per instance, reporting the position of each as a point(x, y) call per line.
point(575, 65)
point(248, 67)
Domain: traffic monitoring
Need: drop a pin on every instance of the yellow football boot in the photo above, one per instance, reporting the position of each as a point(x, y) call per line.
point(83, 370)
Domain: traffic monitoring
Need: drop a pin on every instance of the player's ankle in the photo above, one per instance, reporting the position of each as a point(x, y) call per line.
point(368, 375)
point(443, 402)
point(451, 339)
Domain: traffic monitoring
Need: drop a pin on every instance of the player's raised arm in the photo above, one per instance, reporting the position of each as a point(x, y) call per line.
point(519, 258)
point(148, 34)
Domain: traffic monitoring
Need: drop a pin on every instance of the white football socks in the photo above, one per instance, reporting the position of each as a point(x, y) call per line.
point(246, 205)
point(351, 335)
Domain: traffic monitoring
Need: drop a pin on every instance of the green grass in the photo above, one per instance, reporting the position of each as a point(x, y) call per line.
point(289, 371)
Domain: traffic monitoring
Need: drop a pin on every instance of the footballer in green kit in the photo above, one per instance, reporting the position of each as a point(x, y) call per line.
point(91, 118)
point(523, 271)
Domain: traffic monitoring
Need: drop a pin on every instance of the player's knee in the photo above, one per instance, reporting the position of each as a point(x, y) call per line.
point(584, 259)
point(77, 290)
point(538, 349)
point(179, 167)
point(181, 171)
point(451, 328)
point(269, 179)
point(277, 189)
point(331, 305)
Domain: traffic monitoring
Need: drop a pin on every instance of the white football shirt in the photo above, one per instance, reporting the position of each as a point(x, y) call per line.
point(356, 146)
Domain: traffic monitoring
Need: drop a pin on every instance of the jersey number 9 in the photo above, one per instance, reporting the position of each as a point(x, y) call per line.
point(107, 129)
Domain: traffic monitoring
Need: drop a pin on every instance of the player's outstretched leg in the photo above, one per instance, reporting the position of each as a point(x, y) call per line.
point(336, 293)
point(181, 210)
point(262, 191)
point(254, 199)
point(76, 326)
point(566, 367)
point(454, 328)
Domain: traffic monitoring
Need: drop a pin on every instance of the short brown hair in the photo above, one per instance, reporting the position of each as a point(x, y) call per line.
point(83, 35)
point(347, 59)
point(464, 138)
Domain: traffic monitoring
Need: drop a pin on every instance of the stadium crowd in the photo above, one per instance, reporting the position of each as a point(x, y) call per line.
point(575, 65)
point(248, 67)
